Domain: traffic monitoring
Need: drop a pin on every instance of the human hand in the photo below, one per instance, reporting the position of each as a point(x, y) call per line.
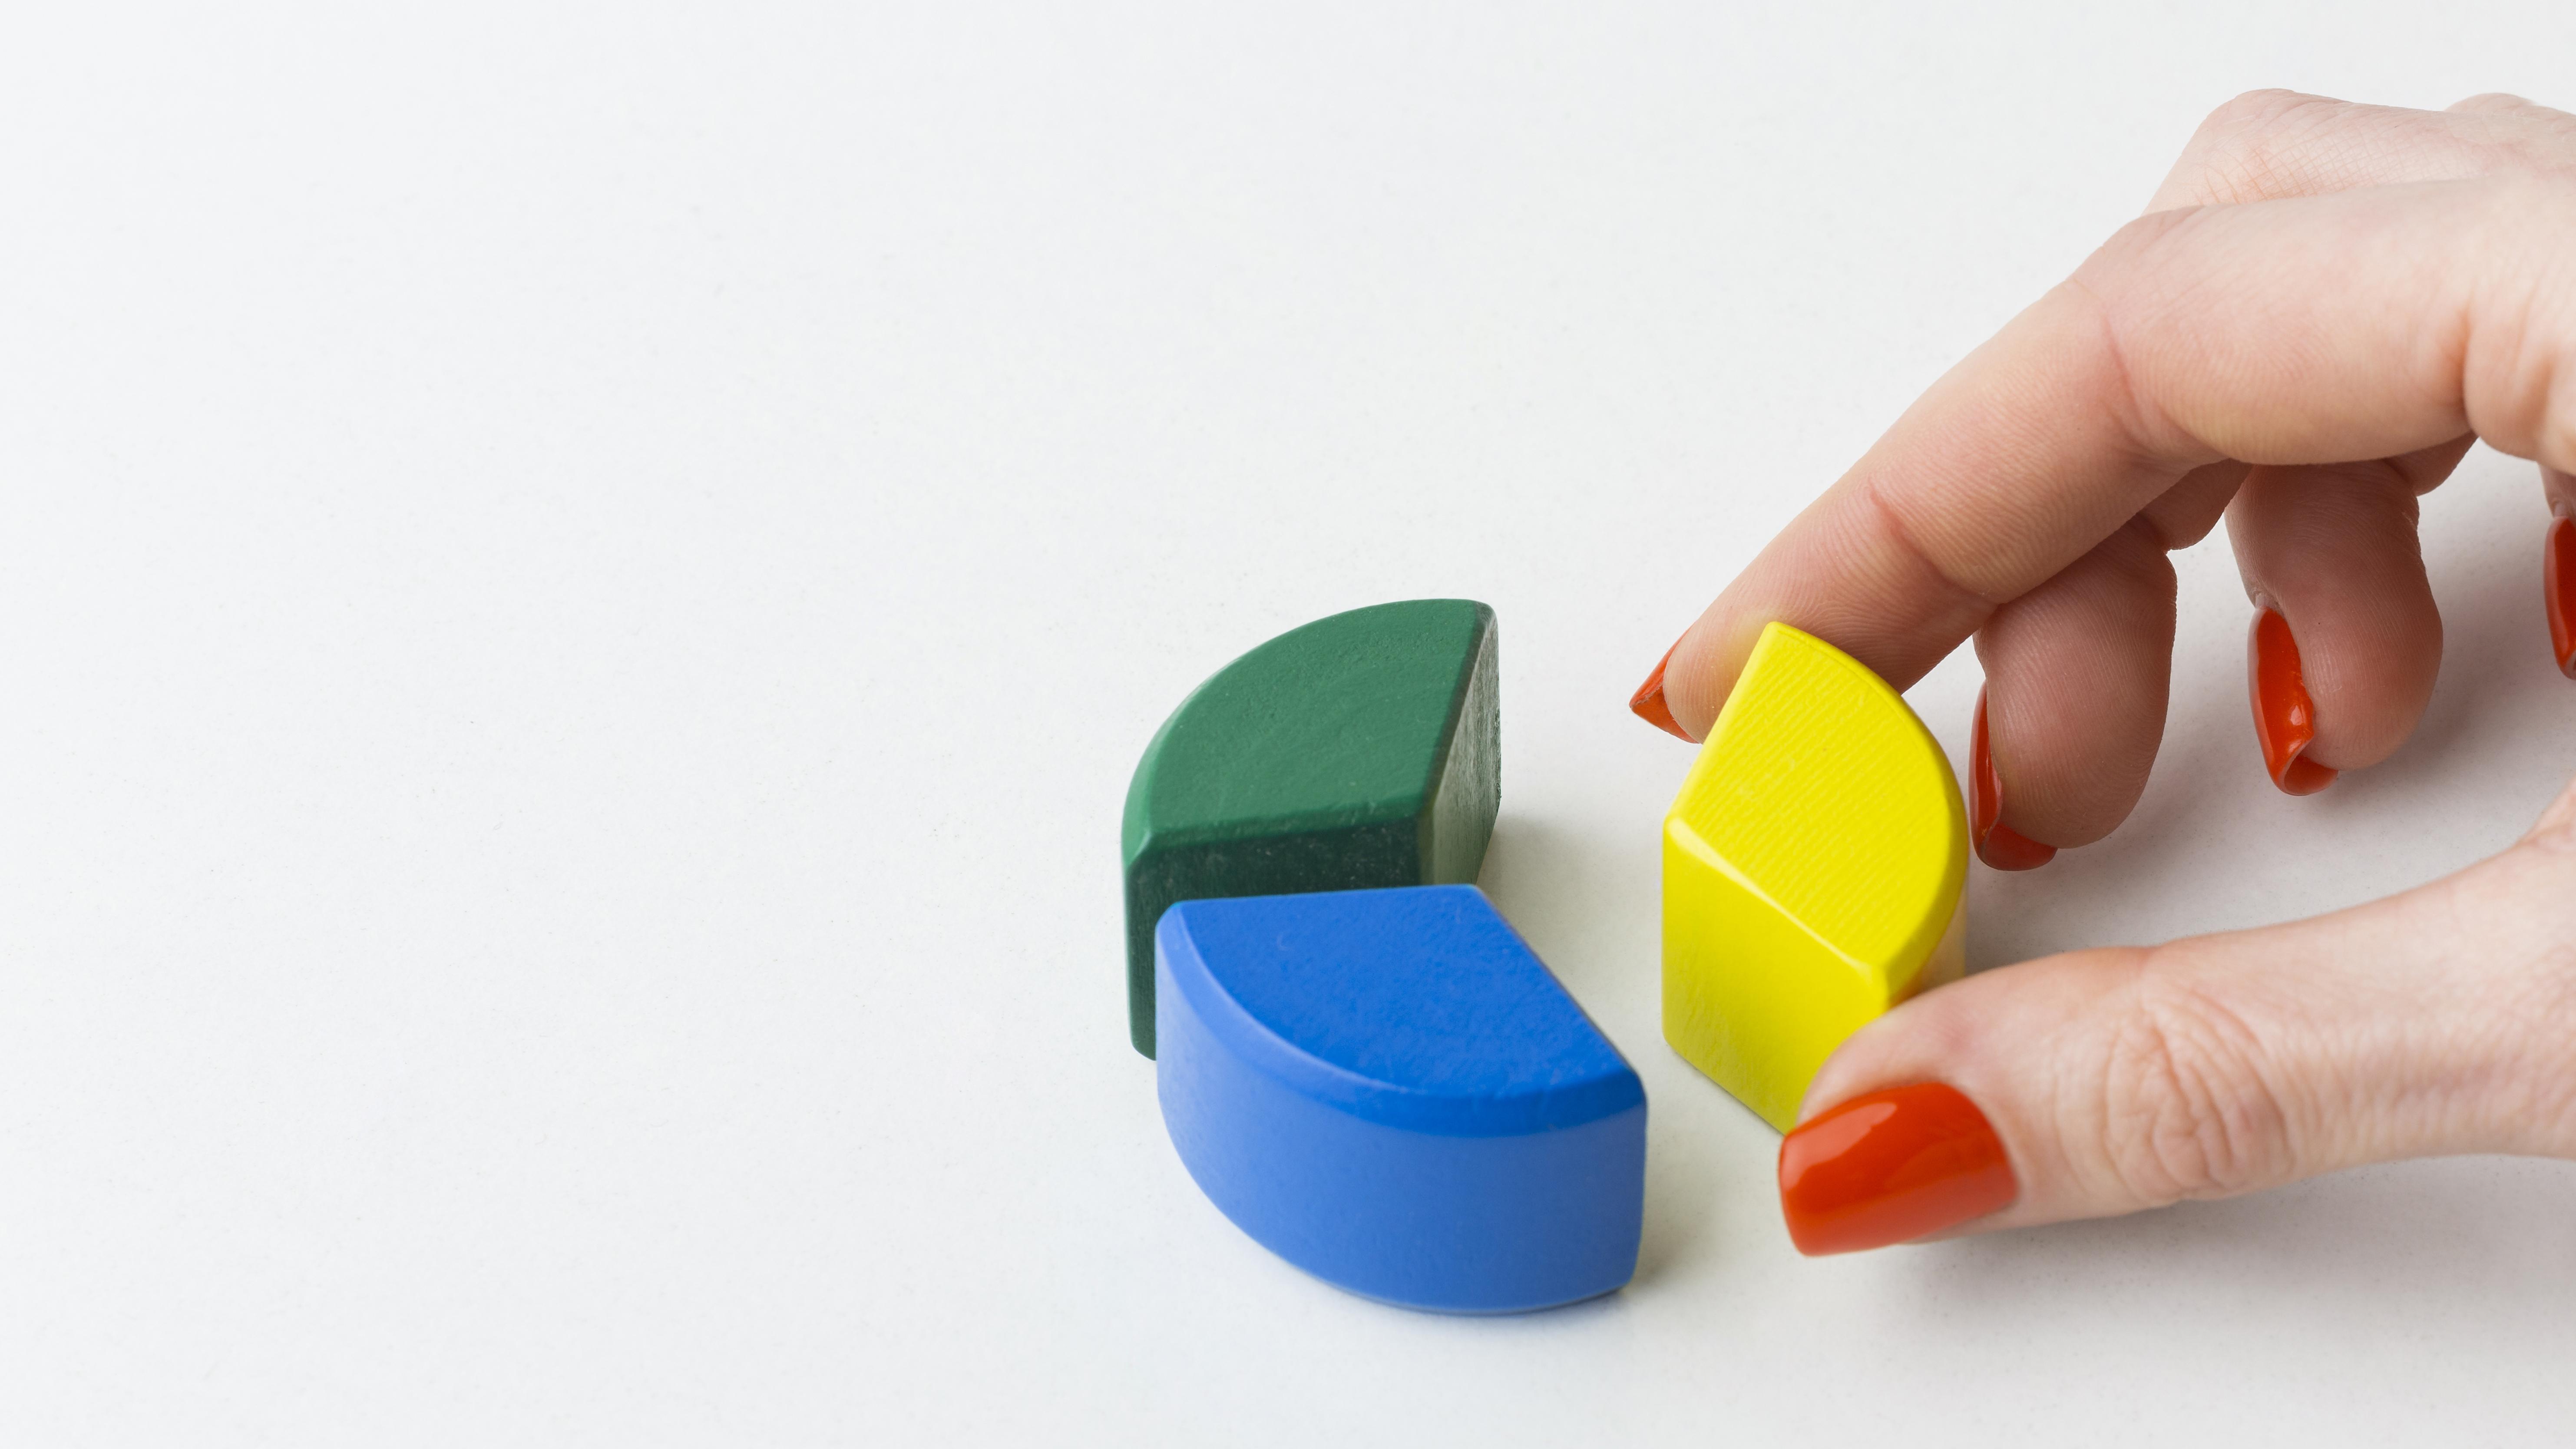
point(2324, 307)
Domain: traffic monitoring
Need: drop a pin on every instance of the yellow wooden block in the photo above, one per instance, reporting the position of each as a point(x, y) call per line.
point(1815, 865)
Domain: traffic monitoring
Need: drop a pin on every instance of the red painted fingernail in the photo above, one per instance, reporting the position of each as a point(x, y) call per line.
point(1998, 844)
point(1889, 1167)
point(2558, 591)
point(2284, 718)
point(1648, 702)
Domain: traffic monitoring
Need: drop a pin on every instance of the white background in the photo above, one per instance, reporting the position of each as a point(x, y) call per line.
point(578, 590)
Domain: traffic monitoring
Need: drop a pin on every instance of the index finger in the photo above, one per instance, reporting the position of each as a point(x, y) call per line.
point(2336, 328)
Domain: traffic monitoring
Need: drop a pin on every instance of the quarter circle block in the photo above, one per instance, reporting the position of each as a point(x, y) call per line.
point(1815, 869)
point(1388, 1089)
point(1361, 750)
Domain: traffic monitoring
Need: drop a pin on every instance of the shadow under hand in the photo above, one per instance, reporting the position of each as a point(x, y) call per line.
point(2389, 1249)
point(2213, 846)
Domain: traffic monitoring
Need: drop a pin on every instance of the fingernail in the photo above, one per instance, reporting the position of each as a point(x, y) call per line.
point(1889, 1167)
point(1998, 844)
point(1648, 701)
point(2558, 591)
point(2284, 719)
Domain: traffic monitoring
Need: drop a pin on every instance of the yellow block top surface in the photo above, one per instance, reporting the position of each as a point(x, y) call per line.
point(1819, 789)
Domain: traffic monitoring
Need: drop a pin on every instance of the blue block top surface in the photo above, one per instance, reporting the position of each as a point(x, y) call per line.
point(1418, 1007)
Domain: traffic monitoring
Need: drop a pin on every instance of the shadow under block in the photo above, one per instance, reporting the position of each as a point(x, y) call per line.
point(1815, 864)
point(1388, 1089)
point(1360, 750)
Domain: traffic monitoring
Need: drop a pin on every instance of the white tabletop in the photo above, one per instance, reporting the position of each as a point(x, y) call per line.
point(578, 592)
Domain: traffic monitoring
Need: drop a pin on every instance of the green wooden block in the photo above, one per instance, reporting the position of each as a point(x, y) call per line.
point(1358, 751)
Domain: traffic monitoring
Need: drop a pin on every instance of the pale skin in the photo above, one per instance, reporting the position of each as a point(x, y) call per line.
point(2324, 305)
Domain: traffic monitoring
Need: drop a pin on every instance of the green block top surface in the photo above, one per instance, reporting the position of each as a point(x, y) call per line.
point(1340, 722)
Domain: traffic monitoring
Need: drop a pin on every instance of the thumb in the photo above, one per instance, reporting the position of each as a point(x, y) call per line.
point(2099, 1082)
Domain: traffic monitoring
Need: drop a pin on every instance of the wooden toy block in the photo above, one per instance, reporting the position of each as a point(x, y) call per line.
point(1388, 1089)
point(1815, 863)
point(1360, 750)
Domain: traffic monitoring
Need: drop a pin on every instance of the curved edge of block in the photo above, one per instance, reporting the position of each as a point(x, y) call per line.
point(1487, 1223)
point(1904, 973)
point(1744, 1000)
point(1462, 790)
point(1248, 1039)
point(1138, 831)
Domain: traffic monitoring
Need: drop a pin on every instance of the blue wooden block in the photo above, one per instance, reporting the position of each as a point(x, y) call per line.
point(1390, 1090)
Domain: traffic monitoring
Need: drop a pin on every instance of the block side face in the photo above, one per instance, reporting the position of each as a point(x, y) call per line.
point(1345, 858)
point(1751, 998)
point(1458, 823)
point(1451, 1224)
point(1819, 784)
point(1336, 723)
point(1418, 1008)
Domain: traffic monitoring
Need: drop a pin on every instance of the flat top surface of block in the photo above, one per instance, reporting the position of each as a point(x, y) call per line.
point(1819, 788)
point(1419, 1007)
point(1341, 721)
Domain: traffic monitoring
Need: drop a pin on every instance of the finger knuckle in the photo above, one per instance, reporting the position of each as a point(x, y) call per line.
point(2238, 151)
point(2186, 1109)
point(2498, 103)
point(2515, 347)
